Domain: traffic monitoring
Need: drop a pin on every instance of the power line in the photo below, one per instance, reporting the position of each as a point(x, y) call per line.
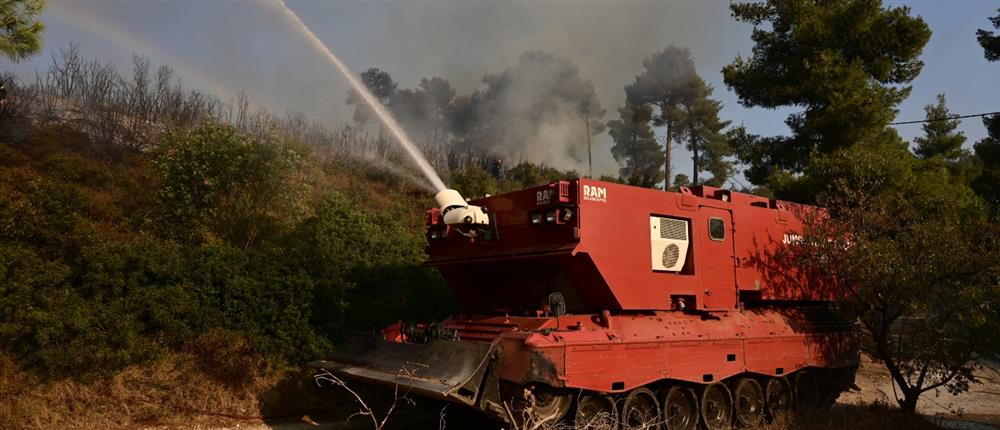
point(945, 119)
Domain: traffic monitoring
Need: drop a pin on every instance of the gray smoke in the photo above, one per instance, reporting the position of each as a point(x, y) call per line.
point(463, 43)
point(250, 47)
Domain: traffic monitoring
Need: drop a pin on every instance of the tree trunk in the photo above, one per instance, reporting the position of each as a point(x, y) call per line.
point(694, 157)
point(910, 393)
point(666, 161)
point(909, 402)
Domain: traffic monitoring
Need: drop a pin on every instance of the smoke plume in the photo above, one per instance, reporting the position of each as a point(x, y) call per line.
point(251, 47)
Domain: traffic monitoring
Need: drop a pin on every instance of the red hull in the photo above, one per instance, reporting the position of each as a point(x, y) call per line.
point(664, 292)
point(640, 349)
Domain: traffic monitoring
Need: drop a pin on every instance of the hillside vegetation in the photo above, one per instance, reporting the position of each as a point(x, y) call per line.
point(123, 251)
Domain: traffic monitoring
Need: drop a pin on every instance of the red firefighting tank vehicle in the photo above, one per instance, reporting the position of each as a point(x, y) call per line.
point(584, 300)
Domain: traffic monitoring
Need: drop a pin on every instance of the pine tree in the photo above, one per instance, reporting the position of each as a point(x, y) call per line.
point(990, 41)
point(701, 126)
point(636, 146)
point(987, 185)
point(846, 63)
point(670, 83)
point(662, 84)
point(20, 30)
point(940, 135)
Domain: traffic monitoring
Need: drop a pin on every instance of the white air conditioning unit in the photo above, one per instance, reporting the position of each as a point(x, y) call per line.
point(669, 239)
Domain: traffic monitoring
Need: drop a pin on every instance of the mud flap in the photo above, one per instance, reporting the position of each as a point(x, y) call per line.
point(442, 369)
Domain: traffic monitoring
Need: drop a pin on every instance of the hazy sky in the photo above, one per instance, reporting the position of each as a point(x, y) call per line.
point(225, 46)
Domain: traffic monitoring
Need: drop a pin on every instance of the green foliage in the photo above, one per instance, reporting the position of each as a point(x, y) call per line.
point(218, 183)
point(526, 175)
point(636, 146)
point(987, 184)
point(368, 262)
point(615, 179)
point(474, 181)
point(702, 127)
point(94, 275)
point(682, 180)
point(941, 145)
point(846, 62)
point(20, 30)
point(940, 137)
point(916, 258)
point(905, 239)
point(684, 107)
point(990, 41)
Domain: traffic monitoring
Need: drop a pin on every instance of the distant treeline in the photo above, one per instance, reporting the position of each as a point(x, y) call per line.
point(134, 111)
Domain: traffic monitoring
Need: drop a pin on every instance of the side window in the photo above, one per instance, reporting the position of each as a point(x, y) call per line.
point(717, 229)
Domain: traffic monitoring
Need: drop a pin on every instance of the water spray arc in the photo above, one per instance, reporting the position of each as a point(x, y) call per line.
point(370, 99)
point(454, 208)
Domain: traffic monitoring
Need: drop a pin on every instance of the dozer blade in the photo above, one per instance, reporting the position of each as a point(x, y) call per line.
point(441, 369)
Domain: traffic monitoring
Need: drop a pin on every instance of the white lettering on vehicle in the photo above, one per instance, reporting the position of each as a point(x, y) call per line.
point(543, 197)
point(791, 238)
point(595, 194)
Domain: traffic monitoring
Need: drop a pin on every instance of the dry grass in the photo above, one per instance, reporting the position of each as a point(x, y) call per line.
point(193, 387)
point(214, 382)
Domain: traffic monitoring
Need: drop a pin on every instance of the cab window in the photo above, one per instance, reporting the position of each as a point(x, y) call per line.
point(717, 229)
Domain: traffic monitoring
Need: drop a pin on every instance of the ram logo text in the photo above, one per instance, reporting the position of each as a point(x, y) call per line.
point(543, 197)
point(595, 194)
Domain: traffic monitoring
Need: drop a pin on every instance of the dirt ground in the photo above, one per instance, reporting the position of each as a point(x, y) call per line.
point(977, 409)
point(981, 404)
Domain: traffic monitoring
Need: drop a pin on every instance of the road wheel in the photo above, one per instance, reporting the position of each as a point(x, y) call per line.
point(748, 398)
point(549, 405)
point(807, 391)
point(680, 409)
point(778, 397)
point(641, 411)
point(716, 407)
point(596, 412)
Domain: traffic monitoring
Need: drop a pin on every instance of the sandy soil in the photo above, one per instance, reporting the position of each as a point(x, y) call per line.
point(981, 404)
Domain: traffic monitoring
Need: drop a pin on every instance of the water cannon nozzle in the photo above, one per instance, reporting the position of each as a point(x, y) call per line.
point(457, 211)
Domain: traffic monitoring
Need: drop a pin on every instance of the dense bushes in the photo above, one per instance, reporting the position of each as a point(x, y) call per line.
point(108, 263)
point(218, 183)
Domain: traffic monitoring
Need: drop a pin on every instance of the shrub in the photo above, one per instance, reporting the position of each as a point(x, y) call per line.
point(217, 182)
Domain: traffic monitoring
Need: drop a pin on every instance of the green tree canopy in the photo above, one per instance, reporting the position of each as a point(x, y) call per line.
point(990, 41)
point(916, 260)
point(220, 183)
point(636, 146)
point(988, 149)
point(940, 137)
point(681, 180)
point(684, 107)
point(20, 30)
point(665, 78)
point(941, 144)
point(847, 63)
point(907, 242)
point(701, 126)
point(987, 185)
